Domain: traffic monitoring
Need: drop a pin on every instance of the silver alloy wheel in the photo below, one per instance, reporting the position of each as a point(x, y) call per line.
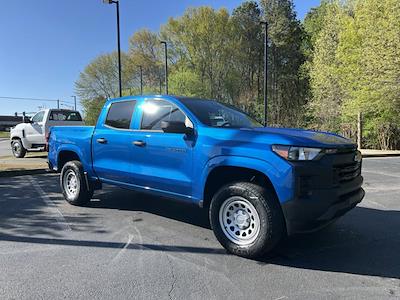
point(16, 148)
point(239, 220)
point(70, 182)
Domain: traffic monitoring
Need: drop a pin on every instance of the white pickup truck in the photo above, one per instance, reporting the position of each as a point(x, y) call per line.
point(32, 134)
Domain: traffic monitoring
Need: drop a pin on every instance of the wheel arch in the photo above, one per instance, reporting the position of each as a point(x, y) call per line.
point(22, 139)
point(278, 176)
point(66, 155)
point(225, 174)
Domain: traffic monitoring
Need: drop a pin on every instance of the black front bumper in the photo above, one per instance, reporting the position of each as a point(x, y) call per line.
point(324, 190)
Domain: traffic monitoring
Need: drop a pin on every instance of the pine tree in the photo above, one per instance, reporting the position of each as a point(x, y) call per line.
point(245, 82)
point(286, 88)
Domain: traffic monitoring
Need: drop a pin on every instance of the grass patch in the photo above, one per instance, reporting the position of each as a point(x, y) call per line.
point(4, 134)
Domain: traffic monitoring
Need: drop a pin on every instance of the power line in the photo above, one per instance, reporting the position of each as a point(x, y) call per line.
point(34, 99)
point(31, 99)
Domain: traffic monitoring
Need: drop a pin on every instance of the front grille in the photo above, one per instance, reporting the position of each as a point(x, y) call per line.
point(347, 172)
point(346, 150)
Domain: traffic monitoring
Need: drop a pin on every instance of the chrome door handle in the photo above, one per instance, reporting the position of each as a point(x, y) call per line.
point(139, 143)
point(102, 141)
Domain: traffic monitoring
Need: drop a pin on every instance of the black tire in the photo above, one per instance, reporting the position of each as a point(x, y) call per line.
point(18, 149)
point(271, 226)
point(82, 194)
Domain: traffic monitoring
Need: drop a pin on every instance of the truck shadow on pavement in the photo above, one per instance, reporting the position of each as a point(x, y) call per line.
point(26, 208)
point(366, 241)
point(115, 198)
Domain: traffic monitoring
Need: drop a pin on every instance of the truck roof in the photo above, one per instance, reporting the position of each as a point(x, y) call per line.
point(159, 96)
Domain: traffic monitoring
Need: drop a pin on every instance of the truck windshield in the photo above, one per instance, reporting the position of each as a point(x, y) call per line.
point(216, 114)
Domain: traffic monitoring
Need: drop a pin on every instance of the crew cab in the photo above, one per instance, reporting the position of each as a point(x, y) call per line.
point(258, 183)
point(32, 133)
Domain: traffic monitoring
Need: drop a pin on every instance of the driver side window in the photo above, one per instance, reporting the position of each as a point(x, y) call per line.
point(38, 117)
point(156, 111)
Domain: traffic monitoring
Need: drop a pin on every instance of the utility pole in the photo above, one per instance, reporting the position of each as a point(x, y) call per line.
point(119, 44)
point(166, 65)
point(58, 103)
point(74, 101)
point(119, 51)
point(359, 130)
point(141, 80)
point(265, 24)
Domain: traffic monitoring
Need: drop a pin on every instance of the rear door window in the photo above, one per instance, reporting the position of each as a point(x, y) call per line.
point(120, 114)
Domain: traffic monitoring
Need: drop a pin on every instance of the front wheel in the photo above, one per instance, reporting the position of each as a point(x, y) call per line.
point(73, 184)
point(246, 219)
point(18, 149)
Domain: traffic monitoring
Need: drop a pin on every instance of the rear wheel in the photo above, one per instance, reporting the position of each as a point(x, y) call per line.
point(73, 184)
point(246, 219)
point(18, 149)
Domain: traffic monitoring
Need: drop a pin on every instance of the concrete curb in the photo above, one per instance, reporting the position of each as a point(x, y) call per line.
point(381, 155)
point(14, 173)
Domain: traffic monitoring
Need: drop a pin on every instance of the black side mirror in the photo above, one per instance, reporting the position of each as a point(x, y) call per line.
point(175, 127)
point(27, 120)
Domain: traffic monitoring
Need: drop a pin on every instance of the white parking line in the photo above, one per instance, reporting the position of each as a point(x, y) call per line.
point(58, 215)
point(123, 249)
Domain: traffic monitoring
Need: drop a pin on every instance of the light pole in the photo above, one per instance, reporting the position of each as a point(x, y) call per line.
point(119, 44)
point(166, 66)
point(141, 80)
point(74, 101)
point(265, 24)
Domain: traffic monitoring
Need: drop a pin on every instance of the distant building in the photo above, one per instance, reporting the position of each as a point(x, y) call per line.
point(6, 122)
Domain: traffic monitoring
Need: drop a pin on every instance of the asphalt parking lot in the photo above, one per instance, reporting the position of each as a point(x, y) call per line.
point(5, 149)
point(129, 245)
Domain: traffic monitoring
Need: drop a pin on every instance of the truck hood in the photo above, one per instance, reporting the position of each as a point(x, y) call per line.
point(301, 137)
point(19, 126)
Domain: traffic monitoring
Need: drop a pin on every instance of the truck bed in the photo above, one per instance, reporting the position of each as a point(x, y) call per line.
point(71, 138)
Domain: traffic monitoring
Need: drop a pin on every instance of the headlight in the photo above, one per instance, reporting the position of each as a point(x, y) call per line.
point(297, 153)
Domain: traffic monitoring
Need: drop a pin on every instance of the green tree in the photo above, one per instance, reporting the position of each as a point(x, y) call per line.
point(100, 77)
point(201, 41)
point(287, 88)
point(327, 95)
point(145, 51)
point(369, 52)
point(313, 24)
point(245, 79)
point(188, 83)
point(92, 108)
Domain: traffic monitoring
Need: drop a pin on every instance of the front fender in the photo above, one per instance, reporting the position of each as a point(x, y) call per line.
point(20, 134)
point(280, 176)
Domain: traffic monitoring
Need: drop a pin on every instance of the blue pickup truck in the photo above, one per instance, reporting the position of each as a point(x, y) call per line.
point(258, 184)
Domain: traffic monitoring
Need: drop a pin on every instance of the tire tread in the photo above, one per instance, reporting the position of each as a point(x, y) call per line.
point(267, 200)
point(85, 195)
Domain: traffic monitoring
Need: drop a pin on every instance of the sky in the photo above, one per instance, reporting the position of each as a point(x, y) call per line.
point(45, 44)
